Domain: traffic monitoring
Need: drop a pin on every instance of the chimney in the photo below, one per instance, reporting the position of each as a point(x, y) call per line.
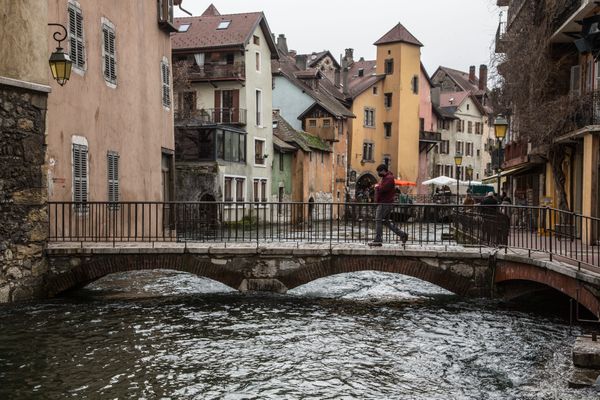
point(345, 64)
point(301, 61)
point(282, 43)
point(293, 53)
point(472, 74)
point(435, 96)
point(483, 76)
point(337, 78)
point(350, 56)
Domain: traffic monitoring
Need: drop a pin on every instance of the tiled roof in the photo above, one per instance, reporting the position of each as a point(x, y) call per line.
point(398, 34)
point(358, 84)
point(313, 58)
point(462, 79)
point(282, 145)
point(302, 140)
point(327, 96)
point(203, 33)
point(452, 99)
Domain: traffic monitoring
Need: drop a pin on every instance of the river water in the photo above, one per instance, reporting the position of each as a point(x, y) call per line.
point(163, 334)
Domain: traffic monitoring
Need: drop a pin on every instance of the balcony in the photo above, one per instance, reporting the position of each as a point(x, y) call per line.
point(501, 39)
point(430, 137)
point(515, 153)
point(570, 8)
point(213, 116)
point(218, 72)
point(587, 109)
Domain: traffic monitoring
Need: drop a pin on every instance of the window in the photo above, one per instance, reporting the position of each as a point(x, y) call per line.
point(478, 152)
point(468, 107)
point(387, 130)
point(80, 174)
point(470, 127)
point(387, 100)
point(369, 118)
point(231, 146)
point(445, 147)
point(326, 123)
point(469, 149)
point(258, 107)
point(281, 161)
point(165, 74)
point(448, 171)
point(375, 90)
point(459, 147)
point(240, 184)
point(165, 11)
point(184, 27)
point(112, 161)
point(458, 125)
point(361, 72)
point(367, 151)
point(260, 190)
point(257, 61)
point(478, 128)
point(228, 189)
point(389, 66)
point(223, 25)
point(415, 84)
point(312, 123)
point(76, 39)
point(422, 124)
point(387, 160)
point(256, 40)
point(259, 152)
point(109, 53)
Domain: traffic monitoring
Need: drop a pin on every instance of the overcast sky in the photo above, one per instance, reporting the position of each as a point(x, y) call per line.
point(456, 33)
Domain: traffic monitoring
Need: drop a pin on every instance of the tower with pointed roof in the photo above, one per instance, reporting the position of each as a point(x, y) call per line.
point(399, 61)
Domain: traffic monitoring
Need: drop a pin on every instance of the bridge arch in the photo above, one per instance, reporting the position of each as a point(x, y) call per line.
point(89, 270)
point(469, 279)
point(508, 273)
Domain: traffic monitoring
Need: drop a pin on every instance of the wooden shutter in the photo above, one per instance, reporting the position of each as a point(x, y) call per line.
point(113, 176)
point(77, 51)
point(80, 173)
point(109, 51)
point(217, 112)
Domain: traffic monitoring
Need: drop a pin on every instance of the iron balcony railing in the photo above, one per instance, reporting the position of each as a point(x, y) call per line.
point(208, 116)
point(218, 71)
point(562, 235)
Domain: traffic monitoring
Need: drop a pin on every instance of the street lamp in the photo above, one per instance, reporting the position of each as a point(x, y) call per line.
point(458, 161)
point(500, 128)
point(469, 172)
point(60, 62)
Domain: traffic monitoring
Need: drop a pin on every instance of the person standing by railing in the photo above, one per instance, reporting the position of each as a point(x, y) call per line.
point(385, 192)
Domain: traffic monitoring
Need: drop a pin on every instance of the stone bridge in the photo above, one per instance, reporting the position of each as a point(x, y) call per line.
point(470, 272)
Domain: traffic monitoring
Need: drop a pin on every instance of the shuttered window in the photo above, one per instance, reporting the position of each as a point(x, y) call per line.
point(109, 54)
point(166, 83)
point(112, 162)
point(76, 40)
point(80, 174)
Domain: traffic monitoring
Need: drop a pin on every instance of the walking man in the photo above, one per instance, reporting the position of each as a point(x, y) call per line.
point(384, 197)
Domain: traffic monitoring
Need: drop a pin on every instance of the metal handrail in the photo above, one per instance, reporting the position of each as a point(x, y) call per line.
point(563, 235)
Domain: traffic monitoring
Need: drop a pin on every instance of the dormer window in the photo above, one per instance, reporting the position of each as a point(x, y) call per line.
point(361, 72)
point(223, 25)
point(184, 27)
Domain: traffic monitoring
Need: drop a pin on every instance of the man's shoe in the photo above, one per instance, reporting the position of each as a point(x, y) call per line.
point(404, 237)
point(375, 244)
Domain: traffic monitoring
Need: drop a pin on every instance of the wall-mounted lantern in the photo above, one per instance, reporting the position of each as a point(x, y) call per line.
point(60, 62)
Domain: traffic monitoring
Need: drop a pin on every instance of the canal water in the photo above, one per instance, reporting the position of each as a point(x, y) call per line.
point(162, 334)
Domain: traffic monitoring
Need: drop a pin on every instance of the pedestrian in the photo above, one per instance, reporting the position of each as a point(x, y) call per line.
point(384, 197)
point(469, 200)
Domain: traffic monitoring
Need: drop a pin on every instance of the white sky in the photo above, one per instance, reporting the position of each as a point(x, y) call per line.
point(456, 33)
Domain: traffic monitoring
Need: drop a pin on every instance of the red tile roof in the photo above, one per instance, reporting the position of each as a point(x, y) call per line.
point(203, 33)
point(398, 34)
point(358, 84)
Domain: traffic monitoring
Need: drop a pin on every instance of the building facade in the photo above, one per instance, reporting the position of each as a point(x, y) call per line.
point(224, 128)
point(110, 129)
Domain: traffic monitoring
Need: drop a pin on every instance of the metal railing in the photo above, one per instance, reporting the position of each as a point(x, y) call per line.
point(227, 116)
point(563, 235)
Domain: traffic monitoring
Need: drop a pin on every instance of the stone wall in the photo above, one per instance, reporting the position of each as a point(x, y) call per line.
point(194, 180)
point(23, 194)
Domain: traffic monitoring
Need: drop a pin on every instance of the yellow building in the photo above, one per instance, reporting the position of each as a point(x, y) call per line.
point(385, 99)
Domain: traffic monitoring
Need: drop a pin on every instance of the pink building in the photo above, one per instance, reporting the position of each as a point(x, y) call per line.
point(429, 135)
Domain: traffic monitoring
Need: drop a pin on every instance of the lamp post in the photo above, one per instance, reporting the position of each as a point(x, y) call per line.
point(457, 161)
point(469, 172)
point(500, 128)
point(60, 62)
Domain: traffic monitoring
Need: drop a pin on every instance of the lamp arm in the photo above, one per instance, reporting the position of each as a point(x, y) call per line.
point(58, 34)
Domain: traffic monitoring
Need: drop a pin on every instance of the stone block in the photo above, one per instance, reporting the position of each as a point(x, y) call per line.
point(4, 294)
point(39, 268)
point(586, 353)
point(582, 378)
point(14, 273)
point(30, 196)
point(462, 270)
point(25, 124)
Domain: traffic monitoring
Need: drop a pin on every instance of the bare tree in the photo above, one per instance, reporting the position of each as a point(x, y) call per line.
point(534, 78)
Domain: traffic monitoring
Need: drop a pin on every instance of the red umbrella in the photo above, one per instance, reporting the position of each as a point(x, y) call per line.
point(400, 182)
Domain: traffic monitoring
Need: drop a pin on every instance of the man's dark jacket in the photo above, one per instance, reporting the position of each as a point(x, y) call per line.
point(386, 191)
